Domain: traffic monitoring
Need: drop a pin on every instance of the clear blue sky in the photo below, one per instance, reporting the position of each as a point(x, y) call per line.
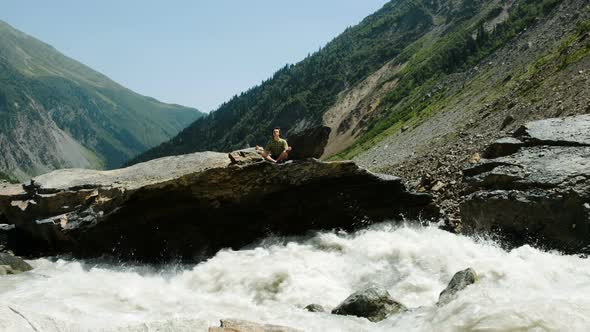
point(195, 53)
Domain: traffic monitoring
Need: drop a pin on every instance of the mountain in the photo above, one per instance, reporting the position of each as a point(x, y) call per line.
point(391, 72)
point(57, 113)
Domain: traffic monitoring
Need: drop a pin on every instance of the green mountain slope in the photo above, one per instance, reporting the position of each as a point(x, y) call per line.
point(56, 112)
point(374, 79)
point(296, 97)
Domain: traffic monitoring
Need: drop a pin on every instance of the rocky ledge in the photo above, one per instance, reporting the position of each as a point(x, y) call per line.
point(534, 187)
point(190, 206)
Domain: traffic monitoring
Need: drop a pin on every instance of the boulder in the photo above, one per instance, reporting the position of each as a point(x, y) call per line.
point(309, 143)
point(315, 308)
point(236, 325)
point(535, 186)
point(188, 207)
point(245, 156)
point(373, 303)
point(508, 120)
point(459, 281)
point(10, 264)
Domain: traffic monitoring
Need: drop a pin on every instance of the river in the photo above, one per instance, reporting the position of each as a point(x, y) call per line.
point(523, 289)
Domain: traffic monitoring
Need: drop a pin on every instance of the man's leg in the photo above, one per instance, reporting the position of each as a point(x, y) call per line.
point(266, 155)
point(283, 156)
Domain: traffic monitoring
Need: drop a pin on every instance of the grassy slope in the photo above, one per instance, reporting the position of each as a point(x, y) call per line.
point(417, 96)
point(540, 74)
point(6, 177)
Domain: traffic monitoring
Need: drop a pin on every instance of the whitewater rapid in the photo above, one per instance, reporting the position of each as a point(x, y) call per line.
point(523, 289)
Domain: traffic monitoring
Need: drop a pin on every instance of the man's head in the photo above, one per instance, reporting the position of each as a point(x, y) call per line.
point(276, 133)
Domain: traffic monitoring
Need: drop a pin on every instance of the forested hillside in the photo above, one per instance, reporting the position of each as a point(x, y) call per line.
point(297, 95)
point(370, 81)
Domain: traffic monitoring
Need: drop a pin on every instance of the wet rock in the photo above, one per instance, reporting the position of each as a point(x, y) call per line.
point(10, 264)
point(459, 281)
point(534, 186)
point(373, 303)
point(236, 325)
point(315, 308)
point(189, 207)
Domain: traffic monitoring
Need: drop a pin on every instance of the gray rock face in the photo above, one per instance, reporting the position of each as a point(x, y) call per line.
point(13, 265)
point(236, 325)
point(315, 308)
point(309, 143)
point(188, 207)
point(503, 147)
point(569, 131)
point(373, 303)
point(459, 281)
point(538, 189)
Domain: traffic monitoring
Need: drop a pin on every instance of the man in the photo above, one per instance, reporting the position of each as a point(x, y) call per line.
point(277, 149)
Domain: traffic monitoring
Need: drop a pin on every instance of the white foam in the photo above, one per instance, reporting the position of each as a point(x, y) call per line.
point(524, 289)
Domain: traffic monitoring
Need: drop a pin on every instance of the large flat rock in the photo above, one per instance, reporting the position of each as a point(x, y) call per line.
point(188, 207)
point(536, 191)
point(133, 177)
point(569, 131)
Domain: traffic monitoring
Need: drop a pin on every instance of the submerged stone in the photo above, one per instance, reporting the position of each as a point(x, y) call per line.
point(373, 303)
point(459, 281)
point(10, 264)
point(315, 308)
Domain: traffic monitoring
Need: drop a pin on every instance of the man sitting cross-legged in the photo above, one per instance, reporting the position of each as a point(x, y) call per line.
point(277, 149)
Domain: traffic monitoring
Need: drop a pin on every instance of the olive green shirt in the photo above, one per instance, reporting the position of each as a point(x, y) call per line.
point(276, 147)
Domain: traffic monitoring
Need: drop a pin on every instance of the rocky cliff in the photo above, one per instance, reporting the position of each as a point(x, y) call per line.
point(190, 206)
point(541, 73)
point(534, 186)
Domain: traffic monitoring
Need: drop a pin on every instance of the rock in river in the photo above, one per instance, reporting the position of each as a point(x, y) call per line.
point(315, 308)
point(190, 206)
point(534, 187)
point(373, 303)
point(12, 265)
point(459, 281)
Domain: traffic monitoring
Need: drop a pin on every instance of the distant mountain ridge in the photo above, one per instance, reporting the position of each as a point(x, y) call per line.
point(58, 113)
